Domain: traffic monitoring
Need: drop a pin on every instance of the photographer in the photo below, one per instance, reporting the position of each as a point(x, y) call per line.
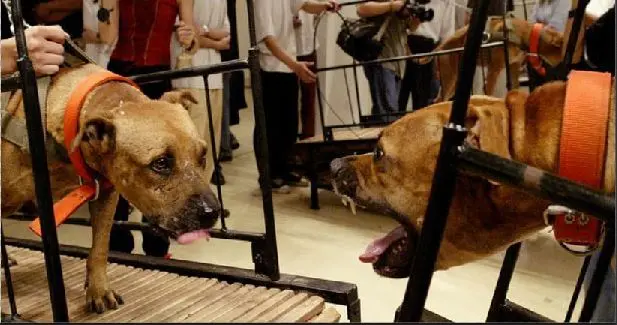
point(419, 78)
point(385, 79)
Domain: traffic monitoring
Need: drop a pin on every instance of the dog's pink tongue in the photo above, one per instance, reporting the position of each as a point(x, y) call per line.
point(377, 247)
point(192, 236)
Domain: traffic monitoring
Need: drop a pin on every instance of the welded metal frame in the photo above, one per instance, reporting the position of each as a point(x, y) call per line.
point(454, 157)
point(264, 246)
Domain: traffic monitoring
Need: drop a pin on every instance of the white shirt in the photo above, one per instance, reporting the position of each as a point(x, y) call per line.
point(306, 43)
point(100, 53)
point(213, 14)
point(442, 25)
point(598, 8)
point(275, 18)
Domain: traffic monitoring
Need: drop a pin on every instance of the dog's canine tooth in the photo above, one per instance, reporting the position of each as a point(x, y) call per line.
point(352, 205)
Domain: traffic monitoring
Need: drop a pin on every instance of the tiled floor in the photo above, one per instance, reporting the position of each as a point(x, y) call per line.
point(326, 243)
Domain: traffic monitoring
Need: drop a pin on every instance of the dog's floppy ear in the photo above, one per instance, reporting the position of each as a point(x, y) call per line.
point(489, 129)
point(182, 97)
point(99, 134)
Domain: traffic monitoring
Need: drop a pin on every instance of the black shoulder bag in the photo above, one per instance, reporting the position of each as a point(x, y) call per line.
point(362, 38)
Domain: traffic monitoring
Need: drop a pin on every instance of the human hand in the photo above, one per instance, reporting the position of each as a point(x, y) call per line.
point(224, 43)
point(45, 50)
point(332, 5)
point(303, 71)
point(185, 33)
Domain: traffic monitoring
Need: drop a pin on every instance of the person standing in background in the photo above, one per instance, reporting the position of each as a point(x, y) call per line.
point(142, 30)
point(212, 26)
point(306, 46)
point(66, 13)
point(95, 47)
point(280, 71)
point(423, 39)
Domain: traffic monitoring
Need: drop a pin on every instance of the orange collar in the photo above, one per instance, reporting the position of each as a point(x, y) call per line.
point(534, 43)
point(89, 190)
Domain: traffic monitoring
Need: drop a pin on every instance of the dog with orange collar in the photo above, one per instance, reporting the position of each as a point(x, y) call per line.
point(106, 138)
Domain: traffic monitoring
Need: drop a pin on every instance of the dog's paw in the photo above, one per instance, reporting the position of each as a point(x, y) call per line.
point(101, 300)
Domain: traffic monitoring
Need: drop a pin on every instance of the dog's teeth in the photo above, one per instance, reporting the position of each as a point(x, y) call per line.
point(352, 205)
point(419, 222)
point(344, 200)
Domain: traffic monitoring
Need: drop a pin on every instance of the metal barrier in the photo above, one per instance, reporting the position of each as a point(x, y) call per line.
point(263, 245)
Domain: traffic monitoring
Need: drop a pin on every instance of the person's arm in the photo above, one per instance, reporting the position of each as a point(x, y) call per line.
point(317, 7)
point(378, 8)
point(109, 24)
point(56, 10)
point(302, 69)
point(186, 16)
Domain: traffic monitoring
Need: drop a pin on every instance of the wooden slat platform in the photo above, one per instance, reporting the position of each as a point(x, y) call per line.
point(347, 134)
point(155, 296)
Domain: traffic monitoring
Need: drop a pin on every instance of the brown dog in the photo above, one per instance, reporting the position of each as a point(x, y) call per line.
point(148, 149)
point(485, 217)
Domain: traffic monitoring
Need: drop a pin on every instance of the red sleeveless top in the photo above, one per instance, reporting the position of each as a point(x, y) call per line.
point(145, 31)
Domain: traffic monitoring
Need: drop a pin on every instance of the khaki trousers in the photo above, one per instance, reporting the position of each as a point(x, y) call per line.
point(199, 115)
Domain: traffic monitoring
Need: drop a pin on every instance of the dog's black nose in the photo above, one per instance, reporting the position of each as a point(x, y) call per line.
point(344, 175)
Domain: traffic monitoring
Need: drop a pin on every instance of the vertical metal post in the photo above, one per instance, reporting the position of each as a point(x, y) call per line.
point(506, 43)
point(217, 167)
point(577, 289)
point(599, 275)
point(503, 283)
point(42, 185)
point(8, 278)
point(574, 32)
point(444, 180)
point(355, 79)
point(261, 146)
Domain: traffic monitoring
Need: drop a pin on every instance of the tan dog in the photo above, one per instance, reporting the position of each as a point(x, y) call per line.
point(148, 149)
point(485, 217)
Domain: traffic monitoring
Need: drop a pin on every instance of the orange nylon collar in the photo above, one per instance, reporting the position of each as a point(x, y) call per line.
point(72, 115)
point(534, 43)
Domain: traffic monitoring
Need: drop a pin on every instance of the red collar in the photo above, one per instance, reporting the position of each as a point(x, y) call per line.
point(534, 43)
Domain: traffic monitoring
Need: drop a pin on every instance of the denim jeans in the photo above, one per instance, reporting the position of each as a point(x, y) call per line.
point(384, 86)
point(605, 308)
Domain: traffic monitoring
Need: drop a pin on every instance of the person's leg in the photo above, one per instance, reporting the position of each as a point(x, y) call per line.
point(271, 101)
point(216, 101)
point(226, 136)
point(289, 126)
point(369, 72)
point(406, 86)
point(390, 90)
point(307, 110)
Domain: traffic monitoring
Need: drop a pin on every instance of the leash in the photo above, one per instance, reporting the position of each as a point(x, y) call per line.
point(90, 182)
point(533, 56)
point(582, 153)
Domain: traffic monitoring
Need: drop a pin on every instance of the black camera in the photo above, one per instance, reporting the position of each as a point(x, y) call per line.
point(417, 10)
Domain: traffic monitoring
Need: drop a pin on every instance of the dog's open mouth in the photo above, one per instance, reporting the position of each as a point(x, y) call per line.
point(183, 238)
point(391, 254)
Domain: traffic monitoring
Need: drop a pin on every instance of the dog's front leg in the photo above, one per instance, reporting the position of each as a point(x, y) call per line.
point(99, 295)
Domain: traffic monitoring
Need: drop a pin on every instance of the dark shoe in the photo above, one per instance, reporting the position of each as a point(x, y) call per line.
point(221, 177)
point(295, 180)
point(226, 156)
point(278, 186)
point(234, 142)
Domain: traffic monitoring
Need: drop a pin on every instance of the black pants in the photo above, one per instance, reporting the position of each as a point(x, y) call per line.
point(280, 99)
point(121, 240)
point(418, 78)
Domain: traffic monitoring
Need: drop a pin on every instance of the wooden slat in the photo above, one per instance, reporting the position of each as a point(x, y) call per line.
point(347, 134)
point(329, 315)
point(303, 312)
point(155, 296)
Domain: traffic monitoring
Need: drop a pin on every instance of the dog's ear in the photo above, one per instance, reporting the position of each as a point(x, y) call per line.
point(489, 129)
point(182, 97)
point(99, 134)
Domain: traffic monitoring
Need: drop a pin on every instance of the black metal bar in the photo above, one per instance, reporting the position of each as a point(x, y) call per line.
point(577, 22)
point(42, 186)
point(577, 289)
point(503, 283)
point(597, 280)
point(524, 9)
point(226, 66)
point(538, 182)
point(322, 119)
point(357, 88)
point(261, 151)
point(213, 141)
point(406, 57)
point(511, 312)
point(442, 189)
point(336, 292)
point(506, 52)
point(8, 279)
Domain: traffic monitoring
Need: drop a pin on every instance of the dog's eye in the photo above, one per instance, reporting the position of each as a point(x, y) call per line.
point(203, 159)
point(163, 165)
point(377, 153)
